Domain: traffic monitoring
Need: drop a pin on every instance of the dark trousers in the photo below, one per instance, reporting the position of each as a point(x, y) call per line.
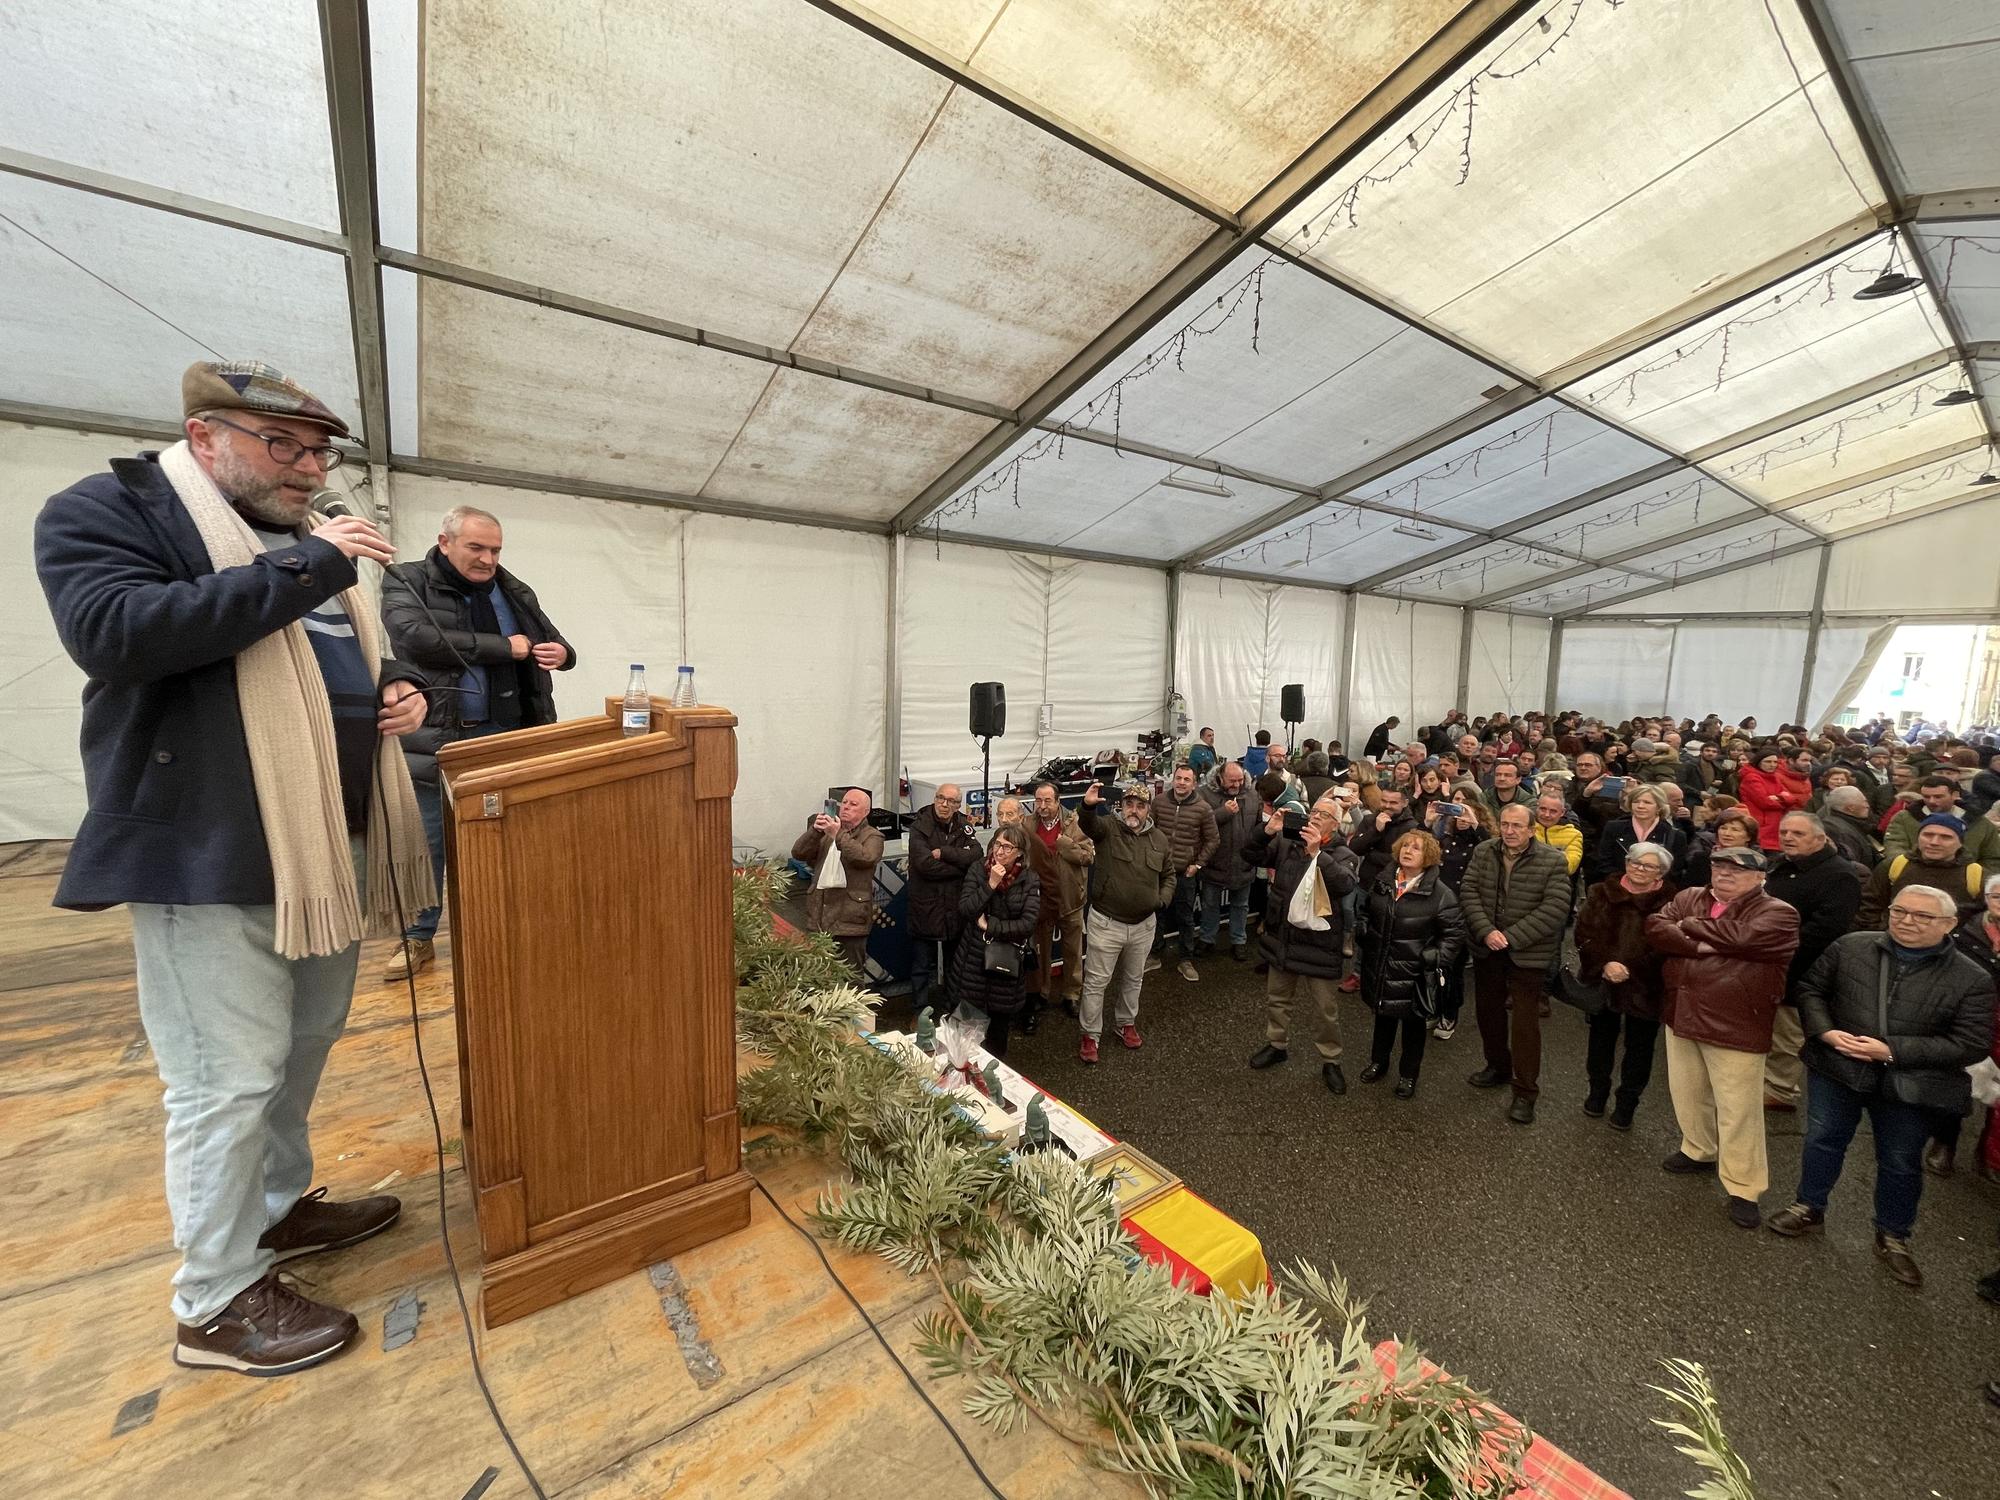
point(930, 961)
point(997, 1028)
point(1641, 1037)
point(1415, 1029)
point(430, 807)
point(1509, 1002)
point(1833, 1111)
point(854, 950)
point(1185, 916)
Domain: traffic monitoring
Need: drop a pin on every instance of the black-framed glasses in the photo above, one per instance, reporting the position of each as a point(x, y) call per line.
point(287, 450)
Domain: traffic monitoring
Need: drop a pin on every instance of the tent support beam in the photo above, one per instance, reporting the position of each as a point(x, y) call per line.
point(1549, 683)
point(343, 29)
point(1706, 573)
point(1344, 674)
point(187, 205)
point(892, 682)
point(1815, 623)
point(1173, 630)
point(1366, 123)
point(1464, 661)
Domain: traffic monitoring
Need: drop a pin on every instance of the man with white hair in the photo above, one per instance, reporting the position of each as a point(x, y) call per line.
point(1847, 821)
point(1894, 1019)
point(842, 898)
point(481, 637)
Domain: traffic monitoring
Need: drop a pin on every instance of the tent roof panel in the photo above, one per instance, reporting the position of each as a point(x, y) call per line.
point(1652, 512)
point(823, 445)
point(998, 253)
point(1966, 256)
point(529, 388)
point(1514, 466)
point(1939, 111)
point(1051, 491)
point(1579, 592)
point(185, 96)
point(1564, 239)
point(1914, 489)
point(1330, 380)
point(1212, 95)
point(69, 340)
point(1337, 544)
point(733, 196)
point(1855, 439)
point(1802, 339)
point(1485, 570)
point(1714, 548)
point(1162, 523)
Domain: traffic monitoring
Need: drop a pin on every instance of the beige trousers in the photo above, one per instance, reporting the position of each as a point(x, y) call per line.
point(1719, 1103)
point(1784, 1074)
point(1279, 990)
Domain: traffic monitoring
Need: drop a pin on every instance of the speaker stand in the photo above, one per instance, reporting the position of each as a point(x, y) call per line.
point(986, 779)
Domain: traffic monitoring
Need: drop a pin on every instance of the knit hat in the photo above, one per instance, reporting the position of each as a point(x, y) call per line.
point(1749, 859)
point(251, 385)
point(1944, 820)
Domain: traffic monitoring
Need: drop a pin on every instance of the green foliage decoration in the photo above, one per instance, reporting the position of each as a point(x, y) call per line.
point(1050, 1312)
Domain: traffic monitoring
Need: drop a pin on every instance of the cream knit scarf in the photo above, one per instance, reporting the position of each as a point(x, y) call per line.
point(295, 768)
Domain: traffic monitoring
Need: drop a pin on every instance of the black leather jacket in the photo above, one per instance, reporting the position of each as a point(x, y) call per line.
point(430, 626)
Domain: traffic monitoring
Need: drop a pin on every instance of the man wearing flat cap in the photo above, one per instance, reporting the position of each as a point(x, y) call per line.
point(1728, 947)
point(1135, 878)
point(246, 800)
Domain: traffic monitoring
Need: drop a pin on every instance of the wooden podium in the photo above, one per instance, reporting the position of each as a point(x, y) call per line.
point(595, 979)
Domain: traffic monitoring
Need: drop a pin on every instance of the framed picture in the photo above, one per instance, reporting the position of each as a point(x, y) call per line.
point(1132, 1178)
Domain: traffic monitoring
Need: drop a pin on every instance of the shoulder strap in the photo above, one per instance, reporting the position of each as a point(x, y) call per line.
point(1975, 880)
point(1896, 867)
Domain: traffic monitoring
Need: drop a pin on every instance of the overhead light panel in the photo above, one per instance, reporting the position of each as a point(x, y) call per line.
point(1411, 528)
point(1197, 486)
point(1545, 560)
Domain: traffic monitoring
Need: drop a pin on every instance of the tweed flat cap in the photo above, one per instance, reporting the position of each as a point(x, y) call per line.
point(250, 385)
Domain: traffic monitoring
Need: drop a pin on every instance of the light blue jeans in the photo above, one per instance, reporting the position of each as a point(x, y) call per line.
point(240, 1036)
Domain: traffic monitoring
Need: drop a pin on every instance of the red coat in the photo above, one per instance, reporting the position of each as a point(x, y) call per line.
point(1728, 995)
point(1770, 797)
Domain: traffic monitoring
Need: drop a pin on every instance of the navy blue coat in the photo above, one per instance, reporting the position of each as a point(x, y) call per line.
point(173, 810)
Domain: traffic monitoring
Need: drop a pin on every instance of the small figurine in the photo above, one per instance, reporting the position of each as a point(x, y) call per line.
point(990, 1076)
point(926, 1032)
point(1035, 1135)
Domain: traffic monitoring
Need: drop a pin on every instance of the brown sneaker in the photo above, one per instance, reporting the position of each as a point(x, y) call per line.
point(1895, 1254)
point(413, 956)
point(267, 1329)
point(316, 1224)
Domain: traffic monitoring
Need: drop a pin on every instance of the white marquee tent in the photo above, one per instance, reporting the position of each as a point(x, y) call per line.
point(1430, 352)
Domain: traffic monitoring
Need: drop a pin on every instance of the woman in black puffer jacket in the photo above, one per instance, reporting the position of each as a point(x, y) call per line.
point(1411, 937)
point(997, 903)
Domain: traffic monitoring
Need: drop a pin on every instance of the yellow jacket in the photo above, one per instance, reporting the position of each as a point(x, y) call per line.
point(1566, 839)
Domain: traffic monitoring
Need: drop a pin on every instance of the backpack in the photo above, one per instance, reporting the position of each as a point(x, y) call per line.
point(1975, 876)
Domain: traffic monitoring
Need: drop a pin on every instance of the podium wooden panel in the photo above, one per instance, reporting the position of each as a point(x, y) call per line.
point(593, 965)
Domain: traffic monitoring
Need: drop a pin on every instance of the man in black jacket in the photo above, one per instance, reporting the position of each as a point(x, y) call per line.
point(1825, 890)
point(480, 635)
point(1893, 1020)
point(942, 849)
point(238, 785)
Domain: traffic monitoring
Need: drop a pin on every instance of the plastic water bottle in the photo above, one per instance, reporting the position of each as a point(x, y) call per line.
point(684, 689)
point(638, 714)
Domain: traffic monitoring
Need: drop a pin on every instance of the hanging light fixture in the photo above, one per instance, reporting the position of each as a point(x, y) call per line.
point(1198, 486)
point(1412, 528)
point(1989, 477)
point(1891, 282)
point(1955, 398)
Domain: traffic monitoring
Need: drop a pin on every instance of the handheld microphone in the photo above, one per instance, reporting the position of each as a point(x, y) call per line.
point(331, 504)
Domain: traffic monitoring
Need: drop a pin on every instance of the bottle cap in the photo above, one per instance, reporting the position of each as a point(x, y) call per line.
point(638, 666)
point(686, 668)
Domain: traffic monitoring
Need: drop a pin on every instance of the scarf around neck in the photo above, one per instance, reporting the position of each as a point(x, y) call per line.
point(294, 767)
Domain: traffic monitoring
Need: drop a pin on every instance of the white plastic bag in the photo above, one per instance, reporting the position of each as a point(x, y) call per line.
point(1302, 912)
point(832, 873)
point(1985, 1081)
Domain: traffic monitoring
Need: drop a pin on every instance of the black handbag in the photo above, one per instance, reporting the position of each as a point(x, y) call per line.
point(1590, 996)
point(1002, 959)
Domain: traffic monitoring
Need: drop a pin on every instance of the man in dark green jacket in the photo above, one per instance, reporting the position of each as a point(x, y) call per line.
point(1515, 901)
point(1134, 879)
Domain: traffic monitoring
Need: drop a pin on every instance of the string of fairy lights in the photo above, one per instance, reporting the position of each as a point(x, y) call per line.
point(1522, 54)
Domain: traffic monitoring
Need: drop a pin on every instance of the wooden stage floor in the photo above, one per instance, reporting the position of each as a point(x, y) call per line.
point(773, 1387)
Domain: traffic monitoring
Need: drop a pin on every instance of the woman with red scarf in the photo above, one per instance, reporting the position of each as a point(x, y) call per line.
point(997, 907)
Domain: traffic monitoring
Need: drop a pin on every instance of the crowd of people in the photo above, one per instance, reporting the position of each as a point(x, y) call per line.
point(1781, 921)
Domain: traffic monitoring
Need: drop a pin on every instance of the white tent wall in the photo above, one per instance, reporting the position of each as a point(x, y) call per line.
point(1612, 672)
point(1240, 642)
point(1847, 654)
point(1509, 664)
point(1405, 663)
point(1764, 588)
point(1087, 638)
point(1737, 671)
point(1947, 561)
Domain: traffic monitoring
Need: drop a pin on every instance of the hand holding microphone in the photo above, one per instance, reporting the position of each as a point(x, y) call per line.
point(354, 536)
